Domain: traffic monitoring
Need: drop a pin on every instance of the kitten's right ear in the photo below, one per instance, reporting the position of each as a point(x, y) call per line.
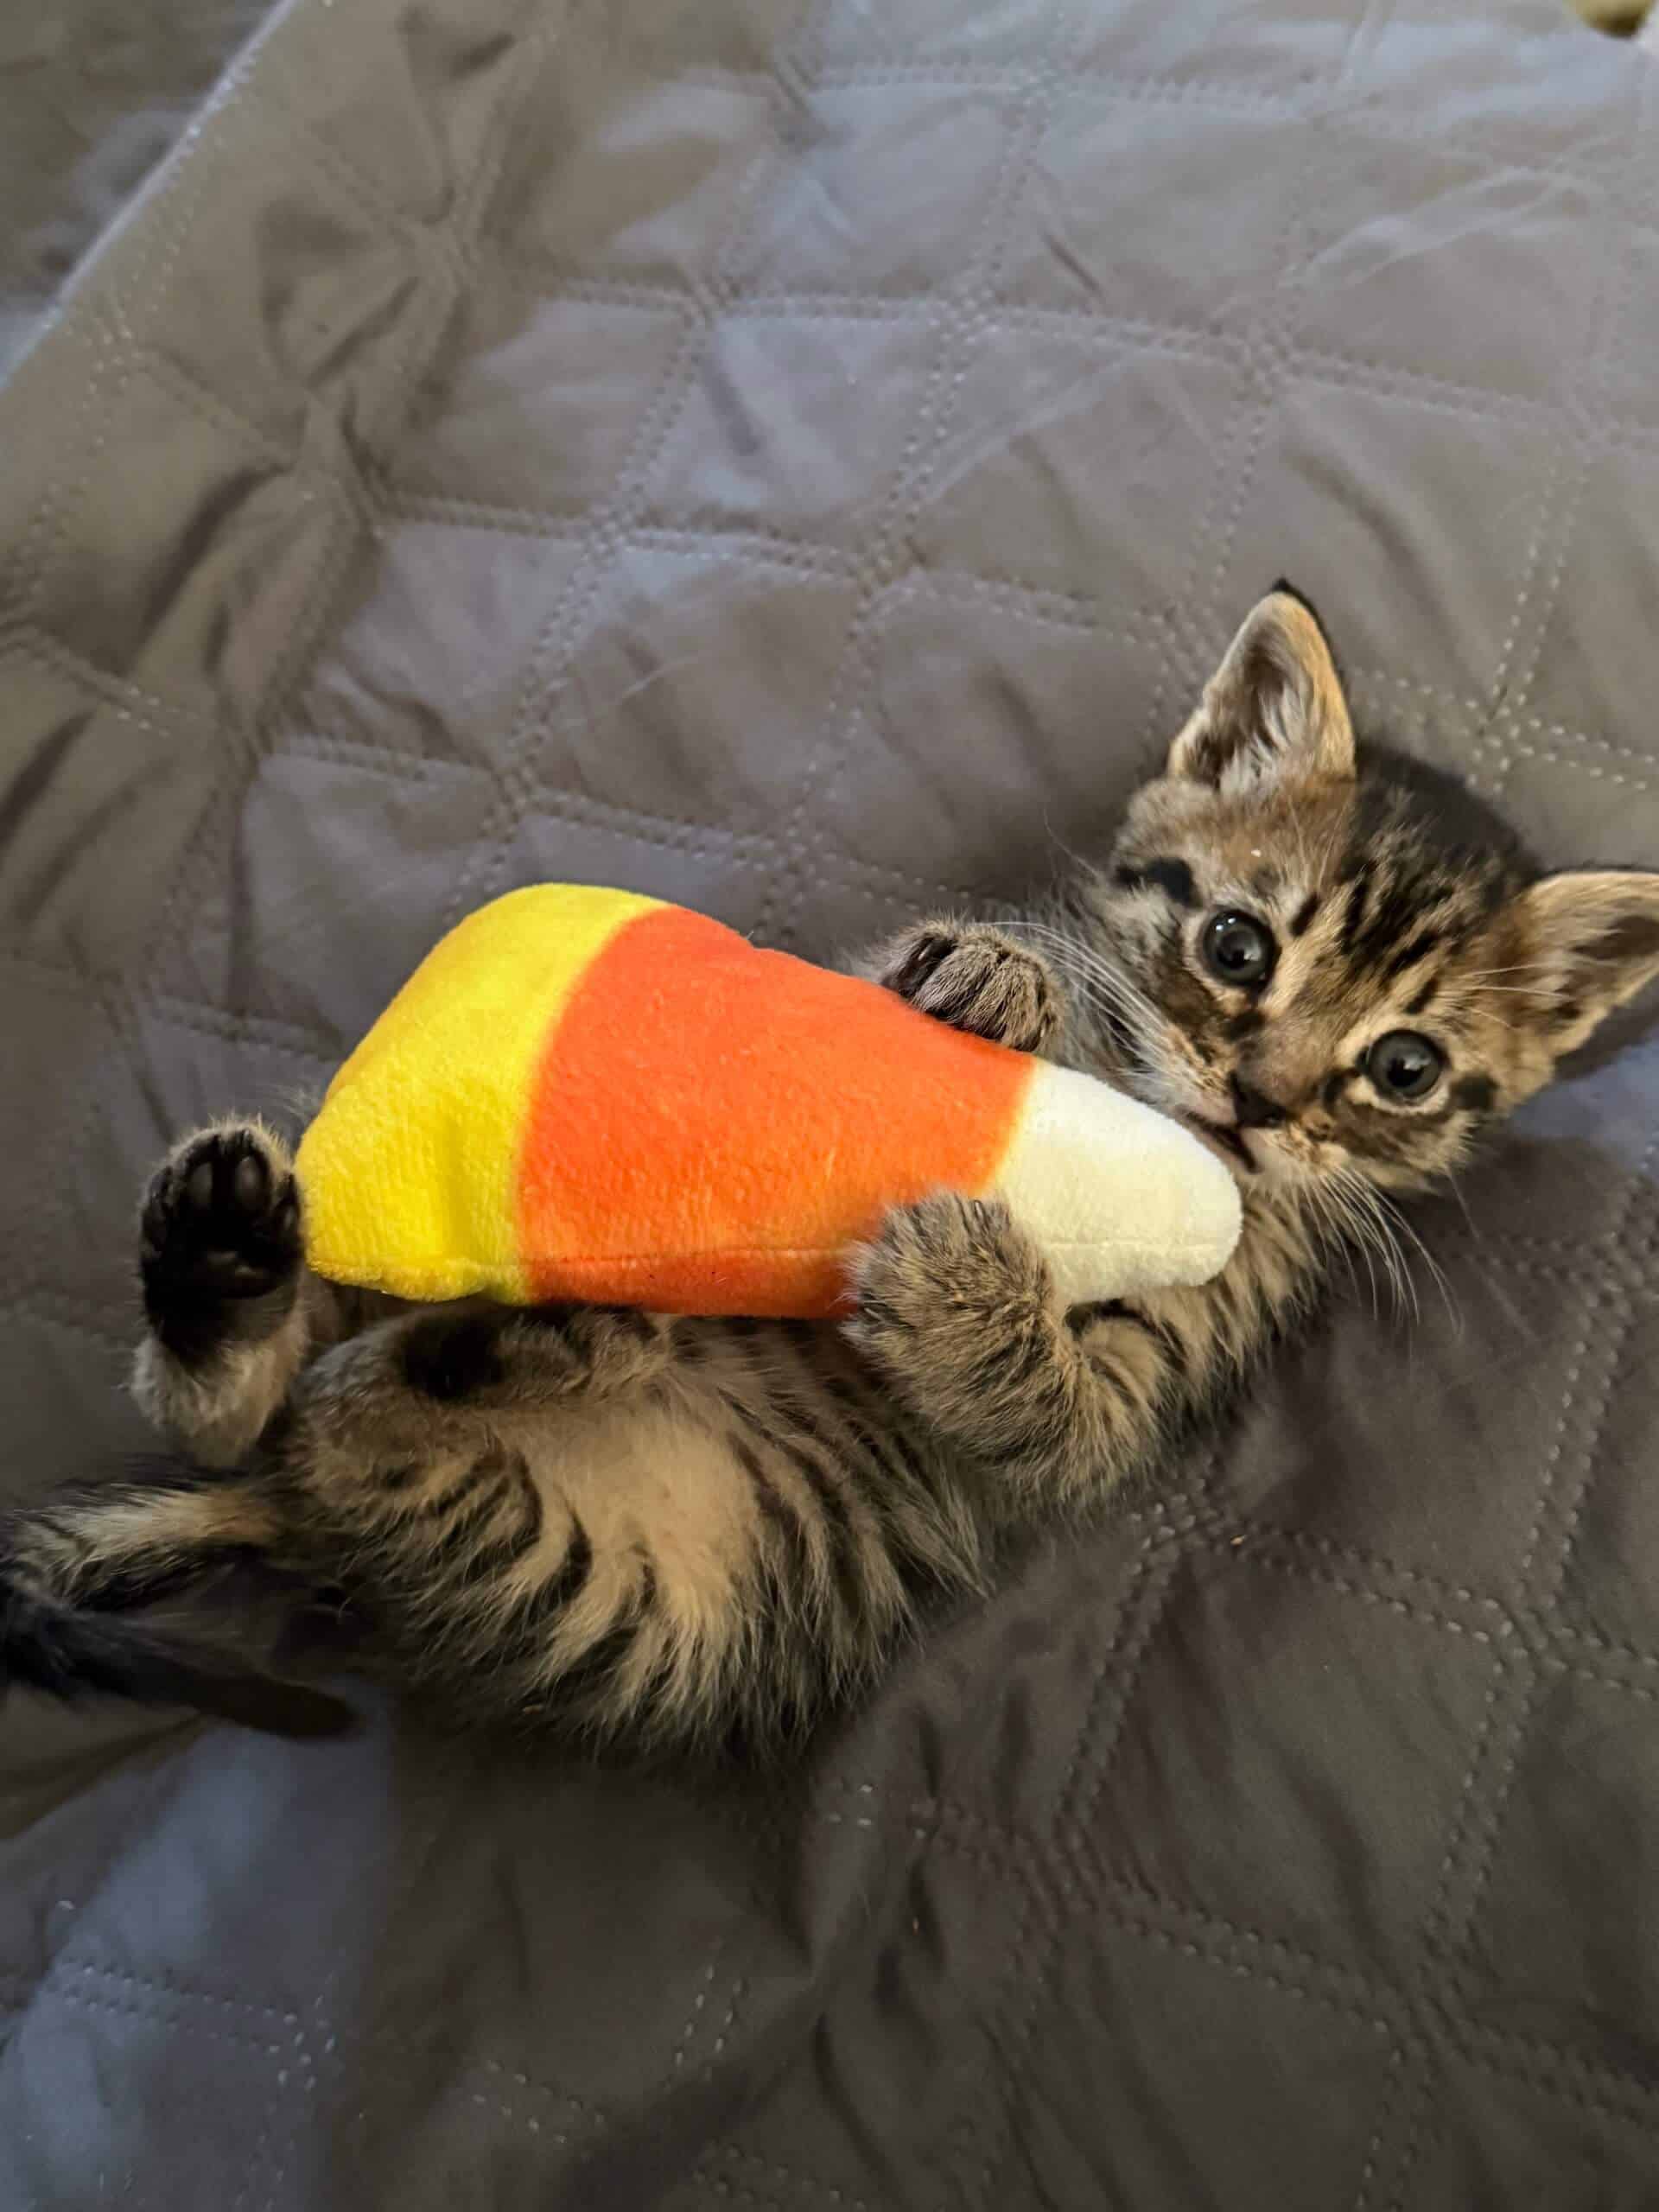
point(1274, 709)
point(1595, 942)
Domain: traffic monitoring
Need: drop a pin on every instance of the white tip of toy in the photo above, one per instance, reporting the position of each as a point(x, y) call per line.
point(1120, 1198)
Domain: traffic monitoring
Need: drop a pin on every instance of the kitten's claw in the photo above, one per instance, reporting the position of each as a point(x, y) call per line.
point(972, 977)
point(221, 1223)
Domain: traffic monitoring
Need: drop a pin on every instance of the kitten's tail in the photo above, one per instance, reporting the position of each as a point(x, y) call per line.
point(75, 1571)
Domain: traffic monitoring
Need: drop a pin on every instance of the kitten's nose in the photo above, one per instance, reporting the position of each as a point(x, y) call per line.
point(1253, 1109)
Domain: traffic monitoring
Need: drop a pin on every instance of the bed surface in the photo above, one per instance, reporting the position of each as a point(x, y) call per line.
point(802, 462)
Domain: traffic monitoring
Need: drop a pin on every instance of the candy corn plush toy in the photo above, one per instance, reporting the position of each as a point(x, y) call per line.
point(586, 1094)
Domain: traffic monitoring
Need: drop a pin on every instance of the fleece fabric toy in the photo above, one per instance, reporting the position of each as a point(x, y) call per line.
point(590, 1094)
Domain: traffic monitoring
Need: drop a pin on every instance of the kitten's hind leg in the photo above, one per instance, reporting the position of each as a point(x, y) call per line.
point(82, 1577)
point(228, 1300)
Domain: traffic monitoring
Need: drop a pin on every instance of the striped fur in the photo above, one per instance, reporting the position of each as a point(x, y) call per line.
point(666, 1530)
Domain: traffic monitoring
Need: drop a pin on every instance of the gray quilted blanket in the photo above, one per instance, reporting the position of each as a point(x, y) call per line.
point(799, 460)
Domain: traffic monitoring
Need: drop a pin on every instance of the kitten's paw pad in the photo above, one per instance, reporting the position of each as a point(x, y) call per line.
point(948, 1268)
point(975, 978)
point(221, 1219)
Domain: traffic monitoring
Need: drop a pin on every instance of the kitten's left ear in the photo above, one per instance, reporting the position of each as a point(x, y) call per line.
point(1274, 709)
point(1595, 942)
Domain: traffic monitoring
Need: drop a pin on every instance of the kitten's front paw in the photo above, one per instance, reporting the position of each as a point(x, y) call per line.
point(945, 1282)
point(219, 1245)
point(972, 977)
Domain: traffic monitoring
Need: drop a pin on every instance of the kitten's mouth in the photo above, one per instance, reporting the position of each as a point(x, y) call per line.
point(1223, 1138)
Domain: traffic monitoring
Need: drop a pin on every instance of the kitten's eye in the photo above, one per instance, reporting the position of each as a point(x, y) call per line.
point(1404, 1065)
point(1239, 950)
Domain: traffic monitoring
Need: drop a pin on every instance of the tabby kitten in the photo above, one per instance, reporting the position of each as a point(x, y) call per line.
point(1335, 967)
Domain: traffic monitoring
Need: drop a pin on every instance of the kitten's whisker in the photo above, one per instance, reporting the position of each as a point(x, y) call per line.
point(1352, 1230)
point(1082, 867)
point(1326, 1225)
point(1457, 1192)
point(1364, 1225)
point(1404, 1233)
point(1103, 986)
point(1393, 1233)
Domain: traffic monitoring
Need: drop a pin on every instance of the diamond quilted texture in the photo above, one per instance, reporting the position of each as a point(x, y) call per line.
point(1265, 2043)
point(1065, 1643)
point(930, 41)
point(560, 837)
point(538, 398)
point(612, 553)
point(901, 2024)
point(873, 185)
point(705, 639)
point(471, 1824)
point(244, 529)
point(1211, 54)
point(309, 293)
point(776, 398)
point(40, 999)
point(206, 1063)
point(1352, 483)
point(86, 2029)
point(1527, 89)
point(689, 38)
point(402, 115)
point(1071, 445)
point(82, 1204)
point(115, 789)
point(1610, 1585)
point(1526, 2126)
point(268, 920)
point(1379, 271)
point(1312, 1677)
point(61, 1354)
point(1129, 210)
point(1018, 776)
point(1572, 1823)
point(666, 164)
point(1452, 1516)
point(1578, 648)
point(426, 663)
point(1626, 391)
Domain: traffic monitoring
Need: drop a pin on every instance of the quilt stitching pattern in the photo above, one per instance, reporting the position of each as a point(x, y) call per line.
point(602, 538)
point(1063, 1878)
point(961, 323)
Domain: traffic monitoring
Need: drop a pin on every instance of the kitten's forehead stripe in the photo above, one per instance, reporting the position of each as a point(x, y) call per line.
point(1353, 919)
point(1413, 950)
point(1304, 914)
point(1173, 877)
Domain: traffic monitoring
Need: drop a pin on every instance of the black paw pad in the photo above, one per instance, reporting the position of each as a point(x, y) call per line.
point(219, 1241)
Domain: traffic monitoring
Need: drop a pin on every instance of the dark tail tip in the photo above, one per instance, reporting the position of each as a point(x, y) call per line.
point(68, 1654)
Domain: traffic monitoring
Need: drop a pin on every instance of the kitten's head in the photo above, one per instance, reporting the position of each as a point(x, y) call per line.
point(1334, 959)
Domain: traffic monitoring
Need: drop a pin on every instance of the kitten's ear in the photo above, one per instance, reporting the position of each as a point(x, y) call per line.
point(1274, 709)
point(1595, 942)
